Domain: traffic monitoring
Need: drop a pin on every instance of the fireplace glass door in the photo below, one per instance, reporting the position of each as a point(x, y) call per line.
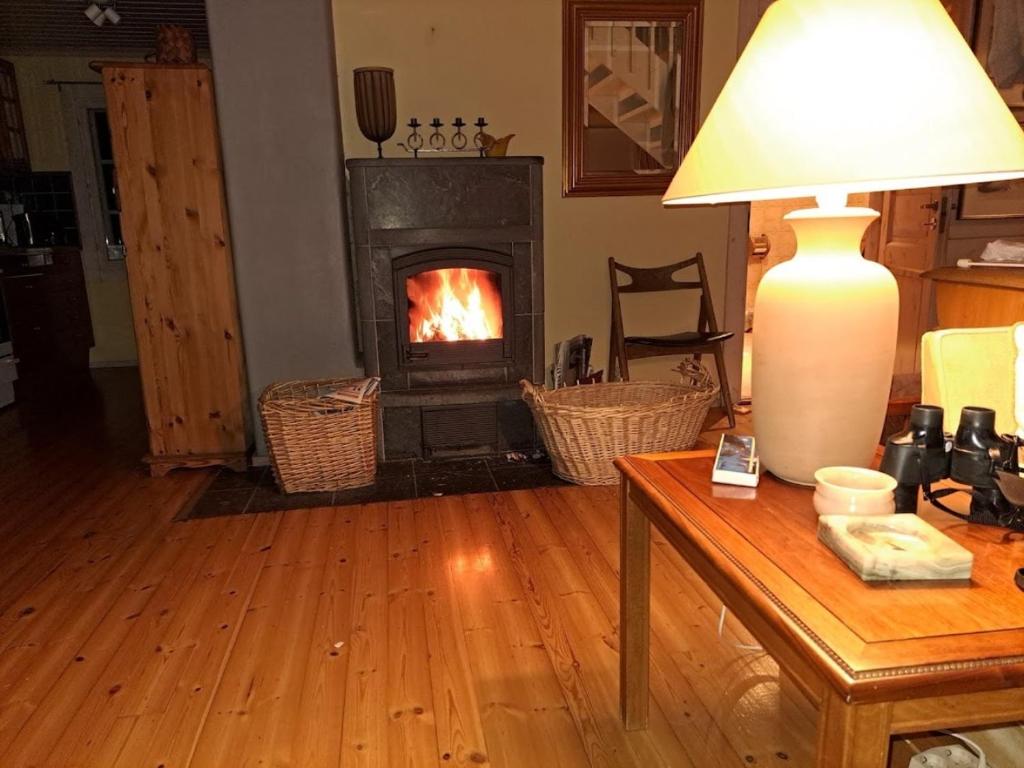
point(454, 304)
point(457, 308)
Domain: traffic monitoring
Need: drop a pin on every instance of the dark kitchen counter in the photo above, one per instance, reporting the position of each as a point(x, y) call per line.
point(14, 252)
point(48, 313)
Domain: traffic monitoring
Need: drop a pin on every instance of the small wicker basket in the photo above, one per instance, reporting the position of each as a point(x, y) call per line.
point(318, 442)
point(586, 427)
point(174, 45)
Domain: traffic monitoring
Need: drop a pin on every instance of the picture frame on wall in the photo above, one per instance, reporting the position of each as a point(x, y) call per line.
point(630, 81)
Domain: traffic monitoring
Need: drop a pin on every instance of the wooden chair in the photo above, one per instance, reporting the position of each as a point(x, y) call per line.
point(705, 339)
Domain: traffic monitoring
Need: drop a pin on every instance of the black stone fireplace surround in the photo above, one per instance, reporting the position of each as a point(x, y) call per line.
point(441, 398)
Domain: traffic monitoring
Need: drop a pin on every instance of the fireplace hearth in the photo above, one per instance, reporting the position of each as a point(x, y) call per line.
point(449, 270)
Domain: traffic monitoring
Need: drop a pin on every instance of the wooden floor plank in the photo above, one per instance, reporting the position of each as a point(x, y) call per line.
point(143, 673)
point(602, 748)
point(253, 716)
point(88, 569)
point(486, 623)
point(365, 728)
point(459, 731)
point(167, 735)
point(52, 624)
point(33, 553)
point(741, 690)
point(682, 705)
point(525, 718)
point(65, 669)
point(579, 639)
point(411, 724)
point(321, 707)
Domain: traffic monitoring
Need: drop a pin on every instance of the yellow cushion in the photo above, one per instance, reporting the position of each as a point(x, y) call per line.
point(970, 366)
point(1018, 378)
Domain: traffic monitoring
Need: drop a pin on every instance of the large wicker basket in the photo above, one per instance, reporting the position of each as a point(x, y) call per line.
point(586, 427)
point(318, 442)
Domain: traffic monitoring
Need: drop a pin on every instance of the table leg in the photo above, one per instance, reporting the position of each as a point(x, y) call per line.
point(853, 735)
point(634, 612)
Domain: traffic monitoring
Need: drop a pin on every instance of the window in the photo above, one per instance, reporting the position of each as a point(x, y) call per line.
point(106, 174)
point(13, 148)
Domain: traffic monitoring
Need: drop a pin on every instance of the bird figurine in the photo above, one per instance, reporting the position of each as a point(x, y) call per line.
point(495, 147)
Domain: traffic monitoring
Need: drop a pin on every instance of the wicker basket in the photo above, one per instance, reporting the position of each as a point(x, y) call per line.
point(586, 427)
point(174, 45)
point(317, 442)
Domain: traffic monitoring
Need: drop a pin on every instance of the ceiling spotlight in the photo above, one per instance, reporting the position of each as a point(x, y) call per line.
point(103, 11)
point(96, 15)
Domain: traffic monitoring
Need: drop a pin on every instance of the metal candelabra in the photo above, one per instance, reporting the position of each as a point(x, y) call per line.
point(437, 142)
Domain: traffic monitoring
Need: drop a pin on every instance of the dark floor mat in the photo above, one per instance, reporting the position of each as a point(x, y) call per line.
point(254, 491)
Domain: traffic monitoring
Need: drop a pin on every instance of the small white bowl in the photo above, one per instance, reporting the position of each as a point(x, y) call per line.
point(853, 491)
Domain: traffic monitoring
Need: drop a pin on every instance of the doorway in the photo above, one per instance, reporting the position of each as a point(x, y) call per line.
point(94, 180)
point(910, 228)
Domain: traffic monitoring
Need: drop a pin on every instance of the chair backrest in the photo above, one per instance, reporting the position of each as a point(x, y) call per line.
point(971, 366)
point(653, 279)
point(657, 279)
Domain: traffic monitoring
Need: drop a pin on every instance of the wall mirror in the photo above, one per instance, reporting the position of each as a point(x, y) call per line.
point(630, 78)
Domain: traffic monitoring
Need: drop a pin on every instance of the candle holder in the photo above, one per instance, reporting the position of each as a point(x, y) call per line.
point(438, 143)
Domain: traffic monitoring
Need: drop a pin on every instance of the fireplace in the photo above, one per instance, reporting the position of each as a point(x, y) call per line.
point(449, 270)
point(457, 307)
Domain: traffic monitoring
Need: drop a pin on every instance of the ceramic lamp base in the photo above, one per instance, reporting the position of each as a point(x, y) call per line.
point(824, 342)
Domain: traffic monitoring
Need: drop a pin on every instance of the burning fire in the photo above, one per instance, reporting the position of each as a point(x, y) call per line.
point(456, 304)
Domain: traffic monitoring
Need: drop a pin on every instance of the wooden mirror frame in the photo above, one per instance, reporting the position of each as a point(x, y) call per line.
point(575, 14)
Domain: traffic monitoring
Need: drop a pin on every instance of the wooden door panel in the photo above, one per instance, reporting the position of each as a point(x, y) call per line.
point(908, 342)
point(910, 221)
point(909, 235)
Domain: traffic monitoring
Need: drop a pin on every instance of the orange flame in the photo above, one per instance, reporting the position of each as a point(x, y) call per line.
point(456, 304)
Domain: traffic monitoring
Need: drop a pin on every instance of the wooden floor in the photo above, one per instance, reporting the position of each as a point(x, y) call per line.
point(466, 630)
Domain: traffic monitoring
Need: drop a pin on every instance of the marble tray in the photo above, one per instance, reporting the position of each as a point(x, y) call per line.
point(894, 547)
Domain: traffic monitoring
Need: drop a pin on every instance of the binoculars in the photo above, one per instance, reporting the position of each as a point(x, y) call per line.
point(975, 456)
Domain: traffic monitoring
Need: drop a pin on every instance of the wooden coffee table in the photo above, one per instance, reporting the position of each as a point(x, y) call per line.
point(876, 659)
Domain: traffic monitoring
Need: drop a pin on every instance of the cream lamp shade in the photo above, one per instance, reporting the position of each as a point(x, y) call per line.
point(832, 97)
point(853, 96)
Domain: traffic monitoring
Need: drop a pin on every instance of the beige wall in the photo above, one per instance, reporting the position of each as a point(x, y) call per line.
point(48, 151)
point(41, 107)
point(504, 61)
point(112, 327)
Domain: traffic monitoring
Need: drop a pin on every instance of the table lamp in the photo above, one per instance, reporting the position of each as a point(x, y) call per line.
point(832, 97)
